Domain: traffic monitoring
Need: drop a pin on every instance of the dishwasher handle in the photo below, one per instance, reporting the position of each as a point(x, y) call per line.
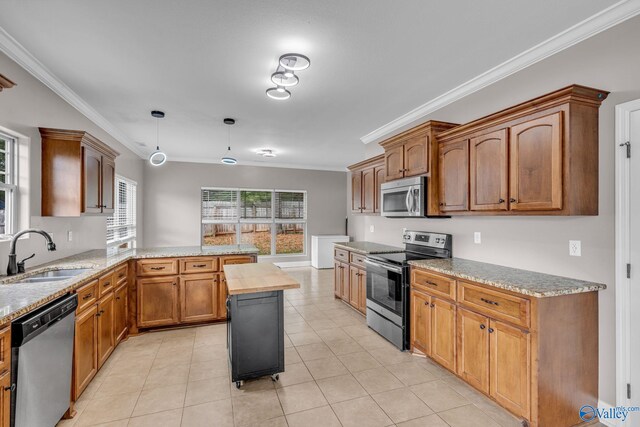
point(32, 324)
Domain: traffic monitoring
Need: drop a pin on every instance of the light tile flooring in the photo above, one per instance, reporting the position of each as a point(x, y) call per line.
point(338, 372)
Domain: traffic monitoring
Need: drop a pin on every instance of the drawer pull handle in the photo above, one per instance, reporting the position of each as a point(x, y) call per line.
point(490, 330)
point(482, 326)
point(158, 268)
point(199, 265)
point(120, 276)
point(431, 283)
point(489, 301)
point(87, 296)
point(106, 284)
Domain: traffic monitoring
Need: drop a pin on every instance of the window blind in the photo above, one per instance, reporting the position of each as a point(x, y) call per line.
point(219, 205)
point(121, 226)
point(255, 204)
point(290, 206)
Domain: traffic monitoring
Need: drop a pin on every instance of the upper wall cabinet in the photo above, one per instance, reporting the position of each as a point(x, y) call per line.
point(78, 174)
point(415, 152)
point(536, 158)
point(366, 178)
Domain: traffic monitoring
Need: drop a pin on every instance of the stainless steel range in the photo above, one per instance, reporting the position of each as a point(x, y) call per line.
point(388, 283)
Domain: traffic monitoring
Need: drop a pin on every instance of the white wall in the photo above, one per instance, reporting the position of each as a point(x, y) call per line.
point(609, 61)
point(23, 109)
point(172, 205)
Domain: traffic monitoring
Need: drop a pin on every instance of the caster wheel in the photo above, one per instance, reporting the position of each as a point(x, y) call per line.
point(238, 384)
point(275, 377)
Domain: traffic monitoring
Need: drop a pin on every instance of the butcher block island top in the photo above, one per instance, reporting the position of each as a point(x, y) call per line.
point(253, 278)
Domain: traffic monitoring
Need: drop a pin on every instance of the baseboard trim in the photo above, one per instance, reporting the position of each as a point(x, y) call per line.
point(608, 423)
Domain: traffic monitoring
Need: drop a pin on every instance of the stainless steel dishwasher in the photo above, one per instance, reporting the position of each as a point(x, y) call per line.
point(41, 363)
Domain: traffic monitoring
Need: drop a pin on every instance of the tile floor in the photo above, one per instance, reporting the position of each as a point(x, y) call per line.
point(338, 373)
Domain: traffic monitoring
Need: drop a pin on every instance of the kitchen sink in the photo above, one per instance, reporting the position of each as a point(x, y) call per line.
point(54, 275)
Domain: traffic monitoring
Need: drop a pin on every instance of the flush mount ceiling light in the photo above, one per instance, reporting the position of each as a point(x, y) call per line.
point(267, 153)
point(228, 160)
point(280, 78)
point(294, 62)
point(285, 76)
point(158, 157)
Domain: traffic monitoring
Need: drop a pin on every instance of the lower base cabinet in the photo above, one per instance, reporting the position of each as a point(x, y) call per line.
point(222, 296)
point(350, 284)
point(5, 399)
point(433, 328)
point(85, 359)
point(158, 301)
point(198, 298)
point(106, 336)
point(121, 307)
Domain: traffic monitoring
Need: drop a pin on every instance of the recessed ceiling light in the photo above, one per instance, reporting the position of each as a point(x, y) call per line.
point(278, 93)
point(294, 61)
point(282, 80)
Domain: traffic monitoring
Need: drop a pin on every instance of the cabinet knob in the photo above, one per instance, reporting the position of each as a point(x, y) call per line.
point(512, 200)
point(174, 284)
point(482, 326)
point(441, 204)
point(426, 303)
point(400, 170)
point(501, 201)
point(12, 387)
point(490, 330)
point(432, 305)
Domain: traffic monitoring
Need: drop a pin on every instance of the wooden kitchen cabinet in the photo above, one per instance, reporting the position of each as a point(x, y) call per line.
point(198, 298)
point(5, 399)
point(362, 292)
point(85, 355)
point(536, 164)
point(78, 174)
point(106, 335)
point(443, 333)
point(420, 322)
point(346, 284)
point(473, 349)
point(357, 281)
point(509, 370)
point(368, 190)
point(356, 192)
point(489, 171)
point(454, 176)
point(121, 311)
point(416, 156)
point(237, 259)
point(337, 279)
point(157, 301)
point(366, 179)
point(222, 294)
point(5, 349)
point(378, 174)
point(394, 163)
point(350, 279)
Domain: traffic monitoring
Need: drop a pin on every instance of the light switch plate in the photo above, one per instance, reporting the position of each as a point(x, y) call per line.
point(477, 237)
point(372, 228)
point(575, 248)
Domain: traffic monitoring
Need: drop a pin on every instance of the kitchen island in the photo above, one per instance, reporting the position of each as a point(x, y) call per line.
point(255, 315)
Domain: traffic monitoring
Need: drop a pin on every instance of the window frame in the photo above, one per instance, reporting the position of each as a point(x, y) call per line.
point(239, 221)
point(131, 241)
point(11, 185)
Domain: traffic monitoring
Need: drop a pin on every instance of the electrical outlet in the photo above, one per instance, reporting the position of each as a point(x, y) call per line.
point(372, 228)
point(69, 236)
point(477, 237)
point(575, 248)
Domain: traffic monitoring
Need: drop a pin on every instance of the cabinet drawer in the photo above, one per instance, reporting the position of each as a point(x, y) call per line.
point(198, 265)
point(434, 283)
point(121, 273)
point(496, 304)
point(87, 296)
point(5, 350)
point(106, 284)
point(157, 267)
point(237, 259)
point(341, 255)
point(357, 259)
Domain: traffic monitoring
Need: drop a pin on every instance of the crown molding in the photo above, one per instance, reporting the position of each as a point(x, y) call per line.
point(601, 21)
point(172, 159)
point(14, 50)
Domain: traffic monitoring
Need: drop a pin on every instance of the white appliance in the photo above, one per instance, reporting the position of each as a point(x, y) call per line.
point(322, 249)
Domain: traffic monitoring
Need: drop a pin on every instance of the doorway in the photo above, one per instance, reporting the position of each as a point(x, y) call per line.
point(627, 286)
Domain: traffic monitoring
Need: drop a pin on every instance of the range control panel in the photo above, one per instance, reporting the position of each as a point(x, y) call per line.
point(424, 238)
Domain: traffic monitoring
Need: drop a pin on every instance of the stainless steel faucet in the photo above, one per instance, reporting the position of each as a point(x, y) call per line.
point(18, 267)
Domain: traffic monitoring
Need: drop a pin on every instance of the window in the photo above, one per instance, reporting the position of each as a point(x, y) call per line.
point(274, 221)
point(121, 226)
point(8, 185)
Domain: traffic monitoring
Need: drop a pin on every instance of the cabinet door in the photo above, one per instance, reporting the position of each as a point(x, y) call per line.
point(157, 301)
point(198, 298)
point(85, 352)
point(354, 288)
point(346, 284)
point(368, 190)
point(394, 163)
point(536, 164)
point(356, 192)
point(488, 168)
point(362, 292)
point(454, 176)
point(473, 349)
point(221, 283)
point(91, 188)
point(509, 370)
point(337, 279)
point(378, 174)
point(443, 333)
point(416, 156)
point(5, 400)
point(106, 336)
point(108, 184)
point(120, 318)
point(420, 322)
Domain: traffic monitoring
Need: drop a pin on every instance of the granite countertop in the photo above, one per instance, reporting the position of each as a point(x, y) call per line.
point(525, 282)
point(18, 298)
point(366, 248)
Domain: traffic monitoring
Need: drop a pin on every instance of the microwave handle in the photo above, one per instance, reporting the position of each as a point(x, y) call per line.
point(415, 195)
point(407, 200)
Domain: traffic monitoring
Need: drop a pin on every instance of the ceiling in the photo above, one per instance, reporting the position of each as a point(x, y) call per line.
point(203, 60)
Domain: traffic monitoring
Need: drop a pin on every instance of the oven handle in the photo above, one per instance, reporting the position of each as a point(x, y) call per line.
point(384, 266)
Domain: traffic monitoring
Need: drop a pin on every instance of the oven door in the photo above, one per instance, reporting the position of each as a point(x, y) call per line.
point(385, 286)
point(403, 201)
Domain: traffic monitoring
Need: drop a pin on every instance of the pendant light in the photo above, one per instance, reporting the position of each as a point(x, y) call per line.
point(157, 158)
point(228, 160)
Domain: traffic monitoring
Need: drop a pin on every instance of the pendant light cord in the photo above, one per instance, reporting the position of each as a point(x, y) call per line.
point(157, 133)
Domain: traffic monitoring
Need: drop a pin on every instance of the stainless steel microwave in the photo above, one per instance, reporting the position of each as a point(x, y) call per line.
point(404, 197)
